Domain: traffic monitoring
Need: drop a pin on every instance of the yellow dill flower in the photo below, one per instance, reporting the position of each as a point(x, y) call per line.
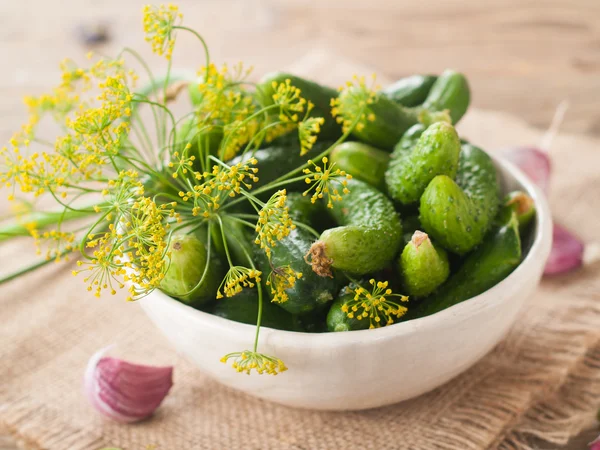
point(183, 163)
point(56, 242)
point(280, 279)
point(322, 180)
point(236, 279)
point(119, 195)
point(134, 250)
point(291, 103)
point(106, 270)
point(375, 305)
point(158, 26)
point(274, 222)
point(357, 96)
point(222, 183)
point(247, 361)
point(224, 103)
point(308, 130)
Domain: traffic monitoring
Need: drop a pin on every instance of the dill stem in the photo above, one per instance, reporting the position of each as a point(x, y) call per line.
point(32, 267)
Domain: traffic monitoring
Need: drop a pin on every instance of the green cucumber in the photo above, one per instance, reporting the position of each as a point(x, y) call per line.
point(280, 158)
point(243, 308)
point(368, 237)
point(449, 92)
point(523, 206)
point(489, 264)
point(319, 95)
point(338, 320)
point(410, 91)
point(362, 161)
point(458, 214)
point(316, 321)
point(302, 209)
point(239, 241)
point(410, 171)
point(190, 277)
point(409, 139)
point(310, 291)
point(423, 266)
point(383, 123)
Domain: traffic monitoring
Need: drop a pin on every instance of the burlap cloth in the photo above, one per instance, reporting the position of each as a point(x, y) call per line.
point(542, 381)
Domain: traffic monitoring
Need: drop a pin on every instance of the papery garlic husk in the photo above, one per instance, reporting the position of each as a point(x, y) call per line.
point(123, 391)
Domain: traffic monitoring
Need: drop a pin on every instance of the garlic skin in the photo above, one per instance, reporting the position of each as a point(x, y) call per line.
point(125, 392)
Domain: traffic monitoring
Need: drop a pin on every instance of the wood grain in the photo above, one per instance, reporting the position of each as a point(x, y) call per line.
point(521, 56)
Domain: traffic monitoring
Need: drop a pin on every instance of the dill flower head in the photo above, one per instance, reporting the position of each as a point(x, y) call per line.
point(247, 361)
point(308, 130)
point(289, 100)
point(236, 279)
point(223, 103)
point(182, 163)
point(55, 242)
point(158, 26)
point(135, 250)
point(222, 183)
point(350, 107)
point(280, 279)
point(377, 306)
point(274, 222)
point(323, 181)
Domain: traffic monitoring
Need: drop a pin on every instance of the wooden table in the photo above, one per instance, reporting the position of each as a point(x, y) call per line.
point(521, 56)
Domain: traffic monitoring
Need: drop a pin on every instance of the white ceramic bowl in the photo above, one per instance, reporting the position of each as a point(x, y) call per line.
point(369, 368)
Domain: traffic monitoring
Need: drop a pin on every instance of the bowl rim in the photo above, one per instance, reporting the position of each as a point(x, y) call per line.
point(540, 246)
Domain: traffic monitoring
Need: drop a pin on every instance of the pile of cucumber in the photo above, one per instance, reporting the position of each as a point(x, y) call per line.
point(424, 211)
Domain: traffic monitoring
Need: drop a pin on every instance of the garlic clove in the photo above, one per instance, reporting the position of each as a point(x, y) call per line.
point(566, 254)
point(535, 163)
point(123, 391)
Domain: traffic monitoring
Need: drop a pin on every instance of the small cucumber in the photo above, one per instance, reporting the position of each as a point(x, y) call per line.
point(319, 95)
point(423, 265)
point(239, 241)
point(190, 277)
point(523, 206)
point(280, 158)
point(310, 291)
point(302, 209)
point(338, 320)
point(384, 121)
point(489, 264)
point(362, 161)
point(410, 91)
point(243, 308)
point(458, 214)
point(409, 139)
point(316, 321)
point(410, 171)
point(449, 92)
point(368, 237)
